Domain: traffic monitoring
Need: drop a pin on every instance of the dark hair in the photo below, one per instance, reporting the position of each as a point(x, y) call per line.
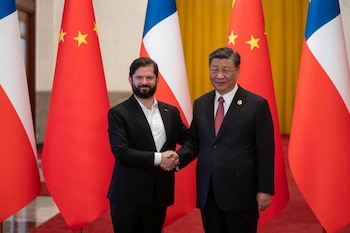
point(142, 62)
point(226, 53)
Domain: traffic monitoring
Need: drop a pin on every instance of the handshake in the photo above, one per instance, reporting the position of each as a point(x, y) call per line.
point(169, 160)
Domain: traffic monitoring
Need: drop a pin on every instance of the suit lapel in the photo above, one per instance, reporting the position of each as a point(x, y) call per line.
point(165, 114)
point(136, 112)
point(209, 111)
point(236, 105)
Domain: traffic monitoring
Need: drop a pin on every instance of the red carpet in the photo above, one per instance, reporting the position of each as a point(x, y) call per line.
point(44, 191)
point(296, 217)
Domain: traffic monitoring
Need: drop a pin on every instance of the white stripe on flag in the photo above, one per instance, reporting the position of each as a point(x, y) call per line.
point(332, 58)
point(163, 44)
point(13, 76)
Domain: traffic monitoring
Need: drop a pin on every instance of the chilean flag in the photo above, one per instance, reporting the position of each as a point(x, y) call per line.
point(162, 42)
point(19, 175)
point(319, 154)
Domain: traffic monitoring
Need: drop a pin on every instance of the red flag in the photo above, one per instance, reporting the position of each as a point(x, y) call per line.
point(319, 154)
point(162, 42)
point(77, 160)
point(19, 174)
point(246, 35)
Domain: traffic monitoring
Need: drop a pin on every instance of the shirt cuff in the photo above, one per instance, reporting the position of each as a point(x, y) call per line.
point(157, 158)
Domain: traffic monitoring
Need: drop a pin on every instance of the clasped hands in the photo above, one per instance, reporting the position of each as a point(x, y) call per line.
point(169, 160)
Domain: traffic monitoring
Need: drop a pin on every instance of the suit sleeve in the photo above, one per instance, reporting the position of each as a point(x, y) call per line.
point(183, 130)
point(265, 149)
point(188, 151)
point(126, 143)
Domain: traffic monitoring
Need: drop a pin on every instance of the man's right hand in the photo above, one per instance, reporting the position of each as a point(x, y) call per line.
point(169, 160)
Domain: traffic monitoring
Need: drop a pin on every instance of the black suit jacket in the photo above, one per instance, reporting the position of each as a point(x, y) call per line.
point(240, 159)
point(135, 179)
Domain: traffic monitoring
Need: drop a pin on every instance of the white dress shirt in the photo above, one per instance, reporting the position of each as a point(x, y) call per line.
point(155, 122)
point(228, 97)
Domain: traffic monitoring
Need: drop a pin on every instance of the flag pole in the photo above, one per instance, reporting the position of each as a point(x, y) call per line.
point(81, 230)
point(324, 230)
point(1, 225)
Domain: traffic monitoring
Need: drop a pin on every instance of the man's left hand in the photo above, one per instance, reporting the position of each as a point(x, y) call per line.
point(264, 200)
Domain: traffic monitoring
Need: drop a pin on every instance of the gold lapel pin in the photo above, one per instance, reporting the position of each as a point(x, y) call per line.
point(239, 102)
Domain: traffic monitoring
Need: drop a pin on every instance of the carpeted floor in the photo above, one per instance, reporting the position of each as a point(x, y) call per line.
point(296, 217)
point(44, 191)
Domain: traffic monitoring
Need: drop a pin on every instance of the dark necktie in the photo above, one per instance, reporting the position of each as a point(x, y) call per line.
point(219, 116)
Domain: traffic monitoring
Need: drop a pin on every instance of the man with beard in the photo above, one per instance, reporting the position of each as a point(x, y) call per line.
point(143, 133)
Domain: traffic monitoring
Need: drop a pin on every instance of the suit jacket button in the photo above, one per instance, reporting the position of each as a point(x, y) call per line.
point(215, 146)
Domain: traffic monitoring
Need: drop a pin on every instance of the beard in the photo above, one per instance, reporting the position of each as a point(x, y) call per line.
point(144, 94)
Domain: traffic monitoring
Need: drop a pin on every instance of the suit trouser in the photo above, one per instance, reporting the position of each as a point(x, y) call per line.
point(215, 220)
point(131, 219)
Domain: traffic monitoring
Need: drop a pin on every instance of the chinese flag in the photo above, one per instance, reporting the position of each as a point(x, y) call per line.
point(19, 174)
point(246, 35)
point(162, 42)
point(319, 154)
point(77, 161)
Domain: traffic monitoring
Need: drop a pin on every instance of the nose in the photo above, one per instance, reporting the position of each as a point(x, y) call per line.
point(220, 75)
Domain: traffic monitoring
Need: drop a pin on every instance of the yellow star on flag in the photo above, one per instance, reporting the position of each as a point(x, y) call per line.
point(62, 34)
point(81, 38)
point(95, 28)
point(231, 38)
point(253, 42)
